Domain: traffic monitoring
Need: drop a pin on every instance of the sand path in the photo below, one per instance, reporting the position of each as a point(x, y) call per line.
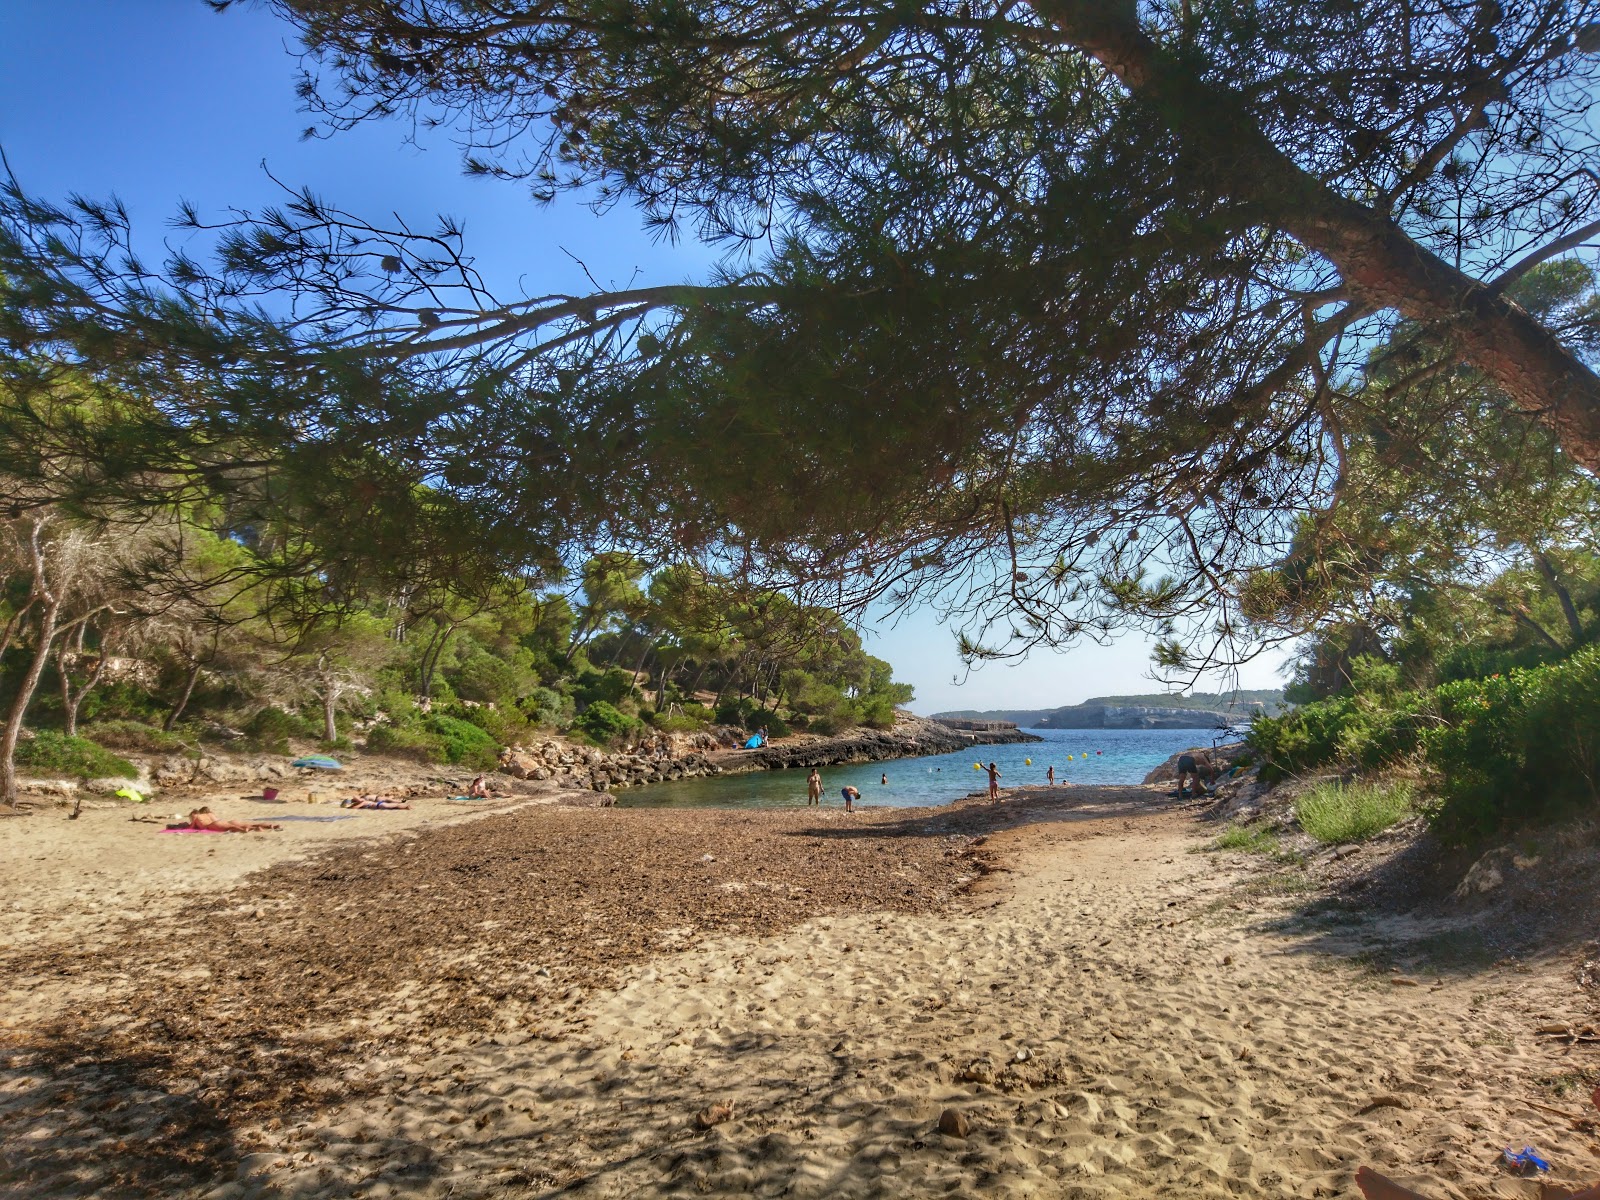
point(1114, 1016)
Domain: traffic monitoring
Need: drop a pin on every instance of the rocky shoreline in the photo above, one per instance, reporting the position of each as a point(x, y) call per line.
point(546, 768)
point(911, 737)
point(718, 752)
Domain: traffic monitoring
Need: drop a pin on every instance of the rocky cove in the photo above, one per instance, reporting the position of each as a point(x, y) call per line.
point(547, 768)
point(719, 750)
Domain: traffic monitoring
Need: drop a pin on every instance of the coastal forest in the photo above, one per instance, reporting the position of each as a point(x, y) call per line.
point(163, 635)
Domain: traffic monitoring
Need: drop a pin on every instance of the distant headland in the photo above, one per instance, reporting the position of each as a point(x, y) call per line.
point(1197, 710)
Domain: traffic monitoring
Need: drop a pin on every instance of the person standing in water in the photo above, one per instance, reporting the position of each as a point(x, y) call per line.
point(1050, 776)
point(994, 782)
point(813, 788)
point(886, 779)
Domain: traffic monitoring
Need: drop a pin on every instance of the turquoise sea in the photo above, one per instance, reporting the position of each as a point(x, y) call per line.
point(1079, 756)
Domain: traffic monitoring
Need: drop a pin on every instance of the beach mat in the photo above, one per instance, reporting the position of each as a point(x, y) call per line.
point(191, 831)
point(340, 817)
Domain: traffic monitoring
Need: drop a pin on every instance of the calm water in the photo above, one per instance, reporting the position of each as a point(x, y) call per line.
point(1097, 756)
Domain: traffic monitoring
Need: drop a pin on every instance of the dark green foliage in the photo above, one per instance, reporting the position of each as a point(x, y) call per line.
point(732, 712)
point(614, 687)
point(51, 753)
point(1516, 747)
point(271, 728)
point(437, 738)
point(604, 725)
point(547, 708)
point(759, 719)
point(506, 725)
point(1501, 751)
point(136, 736)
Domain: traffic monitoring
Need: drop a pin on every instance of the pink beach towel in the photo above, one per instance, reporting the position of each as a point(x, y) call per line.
point(191, 831)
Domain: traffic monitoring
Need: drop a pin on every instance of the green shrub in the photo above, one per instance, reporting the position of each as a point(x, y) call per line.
point(271, 728)
point(1336, 813)
point(135, 736)
point(876, 711)
point(1364, 729)
point(614, 687)
point(437, 738)
point(547, 708)
point(506, 725)
point(51, 753)
point(732, 712)
point(1515, 747)
point(759, 719)
point(675, 723)
point(603, 725)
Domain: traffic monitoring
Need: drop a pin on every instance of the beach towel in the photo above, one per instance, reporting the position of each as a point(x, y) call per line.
point(186, 830)
point(469, 799)
point(340, 817)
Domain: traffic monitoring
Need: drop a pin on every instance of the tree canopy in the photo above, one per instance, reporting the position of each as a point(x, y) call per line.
point(1088, 290)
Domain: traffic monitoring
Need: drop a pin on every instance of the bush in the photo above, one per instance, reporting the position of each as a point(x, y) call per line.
point(271, 728)
point(775, 725)
point(437, 738)
point(51, 753)
point(1336, 813)
point(1365, 729)
point(507, 725)
point(615, 687)
point(547, 708)
point(1516, 747)
point(732, 712)
point(135, 736)
point(676, 724)
point(603, 725)
point(876, 711)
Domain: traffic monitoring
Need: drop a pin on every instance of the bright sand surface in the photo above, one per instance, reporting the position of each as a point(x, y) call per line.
point(1112, 1014)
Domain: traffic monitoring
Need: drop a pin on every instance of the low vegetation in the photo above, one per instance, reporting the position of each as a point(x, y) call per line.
point(54, 754)
point(1335, 813)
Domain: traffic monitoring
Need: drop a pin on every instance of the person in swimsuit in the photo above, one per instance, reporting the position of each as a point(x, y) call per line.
point(1190, 766)
point(478, 789)
point(994, 782)
point(851, 795)
point(813, 788)
point(373, 802)
point(1050, 777)
point(202, 818)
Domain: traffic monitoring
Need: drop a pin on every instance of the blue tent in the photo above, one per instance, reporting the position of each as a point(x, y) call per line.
point(755, 743)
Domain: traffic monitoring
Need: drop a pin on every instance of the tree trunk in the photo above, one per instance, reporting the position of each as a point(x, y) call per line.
point(1568, 609)
point(330, 701)
point(1381, 266)
point(24, 697)
point(71, 701)
point(183, 700)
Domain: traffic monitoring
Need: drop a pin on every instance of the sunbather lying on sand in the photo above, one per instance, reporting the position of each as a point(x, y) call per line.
point(203, 818)
point(373, 802)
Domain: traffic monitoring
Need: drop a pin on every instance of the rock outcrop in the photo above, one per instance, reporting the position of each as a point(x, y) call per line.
point(568, 765)
point(910, 737)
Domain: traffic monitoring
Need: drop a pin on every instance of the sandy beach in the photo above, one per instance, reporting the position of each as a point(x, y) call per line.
point(540, 1001)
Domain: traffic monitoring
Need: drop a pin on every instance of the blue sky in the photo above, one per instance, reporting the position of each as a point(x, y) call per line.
point(157, 101)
